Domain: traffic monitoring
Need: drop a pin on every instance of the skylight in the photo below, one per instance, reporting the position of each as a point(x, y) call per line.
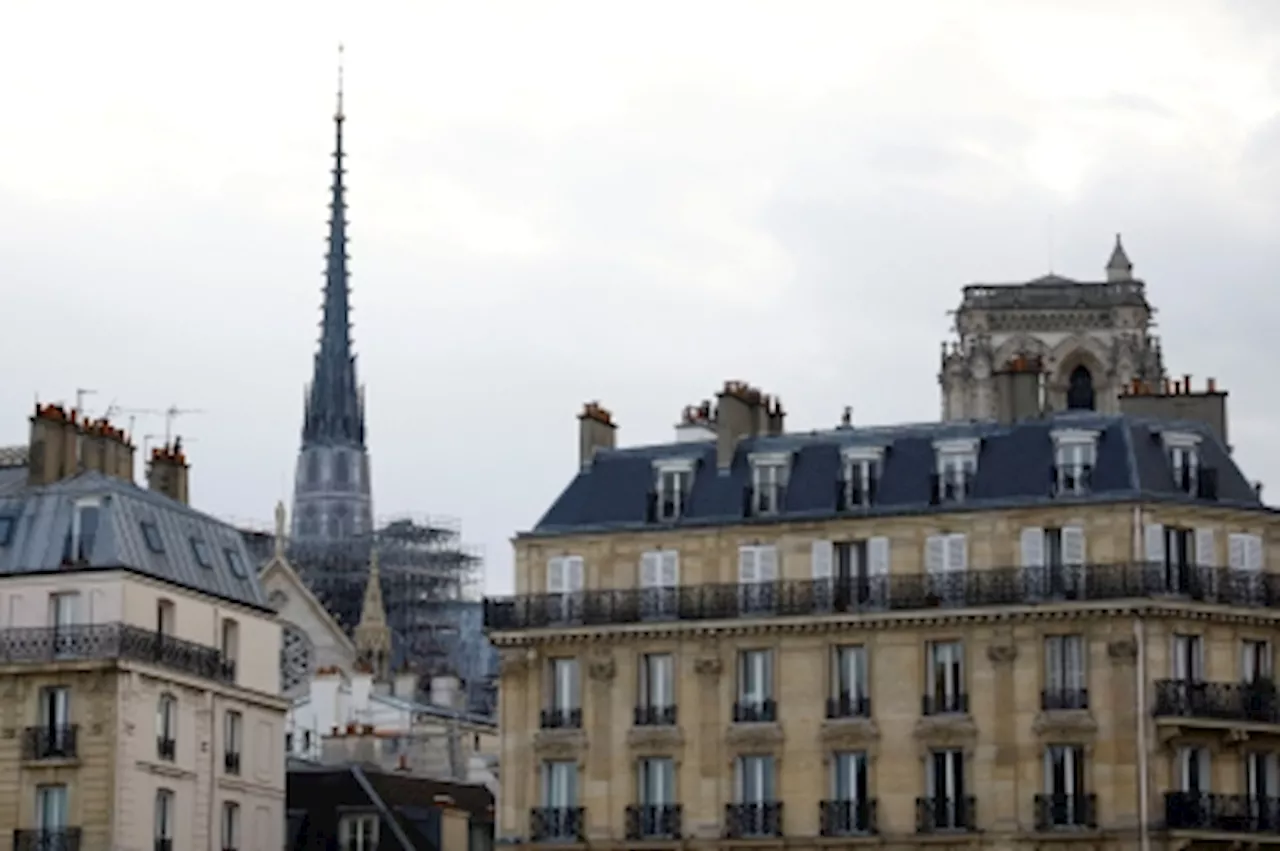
point(237, 565)
point(201, 550)
point(152, 536)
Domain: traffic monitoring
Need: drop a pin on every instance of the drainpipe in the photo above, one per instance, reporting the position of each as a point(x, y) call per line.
point(1140, 672)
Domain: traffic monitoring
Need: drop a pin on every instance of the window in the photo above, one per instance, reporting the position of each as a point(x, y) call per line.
point(1080, 395)
point(560, 817)
point(7, 525)
point(768, 484)
point(164, 819)
point(674, 480)
point(164, 617)
point(861, 477)
point(757, 574)
point(851, 573)
point(945, 686)
point(233, 724)
point(230, 826)
point(1260, 777)
point(564, 710)
point(1065, 803)
point(1184, 463)
point(565, 575)
point(83, 534)
point(849, 809)
point(755, 687)
point(657, 690)
point(1255, 661)
point(947, 806)
point(849, 697)
point(1054, 560)
point(1188, 659)
point(54, 738)
point(1245, 556)
point(659, 581)
point(201, 551)
point(151, 535)
point(1064, 678)
point(235, 563)
point(1192, 765)
point(754, 780)
point(957, 466)
point(51, 807)
point(166, 726)
point(946, 558)
point(64, 610)
point(1075, 454)
point(656, 785)
point(358, 832)
point(1177, 552)
point(230, 642)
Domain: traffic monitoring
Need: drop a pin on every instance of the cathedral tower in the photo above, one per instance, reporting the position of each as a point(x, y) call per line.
point(1086, 339)
point(332, 496)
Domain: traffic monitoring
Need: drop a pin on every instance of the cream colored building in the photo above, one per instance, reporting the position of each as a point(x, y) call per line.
point(138, 657)
point(1031, 631)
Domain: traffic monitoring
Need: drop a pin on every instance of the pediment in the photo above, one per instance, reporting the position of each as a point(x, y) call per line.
point(294, 603)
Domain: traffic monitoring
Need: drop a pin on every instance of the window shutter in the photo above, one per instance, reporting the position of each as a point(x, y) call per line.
point(1073, 549)
point(669, 576)
point(767, 567)
point(555, 576)
point(747, 564)
point(878, 556)
point(1254, 558)
point(957, 552)
point(574, 573)
point(1237, 552)
point(1153, 538)
point(823, 555)
point(649, 566)
point(1206, 548)
point(935, 554)
point(1033, 547)
point(1075, 662)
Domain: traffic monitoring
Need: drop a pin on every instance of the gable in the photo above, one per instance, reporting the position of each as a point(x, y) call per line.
point(296, 605)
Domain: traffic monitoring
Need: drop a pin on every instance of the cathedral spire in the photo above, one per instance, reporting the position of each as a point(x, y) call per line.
point(1118, 267)
point(372, 635)
point(334, 411)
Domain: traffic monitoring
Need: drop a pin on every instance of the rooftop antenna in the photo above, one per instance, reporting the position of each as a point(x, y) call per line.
point(341, 49)
point(171, 414)
point(81, 392)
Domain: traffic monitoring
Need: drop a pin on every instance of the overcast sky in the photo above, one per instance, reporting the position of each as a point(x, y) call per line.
point(554, 202)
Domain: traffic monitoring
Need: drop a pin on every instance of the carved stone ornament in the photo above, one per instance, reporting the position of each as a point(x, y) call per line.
point(947, 731)
point(1069, 723)
point(754, 736)
point(849, 734)
point(654, 738)
point(559, 744)
point(601, 666)
point(708, 666)
point(1002, 653)
point(1123, 650)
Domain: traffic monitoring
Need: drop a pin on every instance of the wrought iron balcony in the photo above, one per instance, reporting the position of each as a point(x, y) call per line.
point(655, 716)
point(1071, 479)
point(1221, 813)
point(1053, 699)
point(944, 704)
point(654, 821)
point(112, 641)
point(49, 741)
point(934, 815)
point(1257, 702)
point(231, 762)
point(852, 494)
point(1066, 812)
point(745, 821)
point(166, 747)
point(557, 824)
point(755, 711)
point(61, 839)
point(163, 845)
point(847, 818)
point(562, 719)
point(893, 593)
point(952, 487)
point(849, 706)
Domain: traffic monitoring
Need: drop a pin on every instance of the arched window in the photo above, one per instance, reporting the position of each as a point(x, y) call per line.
point(1080, 389)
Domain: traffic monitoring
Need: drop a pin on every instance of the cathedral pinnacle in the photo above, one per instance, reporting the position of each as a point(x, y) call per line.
point(1118, 267)
point(372, 635)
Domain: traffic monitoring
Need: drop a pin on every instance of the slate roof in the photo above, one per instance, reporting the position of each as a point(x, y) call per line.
point(1015, 466)
point(38, 521)
point(317, 796)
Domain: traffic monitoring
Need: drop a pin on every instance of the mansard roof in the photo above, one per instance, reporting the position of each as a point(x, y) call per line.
point(1015, 469)
point(138, 530)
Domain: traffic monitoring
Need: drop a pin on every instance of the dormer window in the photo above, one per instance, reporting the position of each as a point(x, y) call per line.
point(1075, 453)
point(151, 533)
point(957, 466)
point(83, 533)
point(235, 563)
point(674, 480)
point(1183, 450)
point(768, 483)
point(861, 476)
point(7, 525)
point(201, 551)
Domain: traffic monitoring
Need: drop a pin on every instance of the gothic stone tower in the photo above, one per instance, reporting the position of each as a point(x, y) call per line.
point(332, 498)
point(1086, 339)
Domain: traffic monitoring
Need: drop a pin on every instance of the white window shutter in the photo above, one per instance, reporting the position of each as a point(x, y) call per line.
point(1206, 548)
point(878, 556)
point(575, 574)
point(957, 552)
point(1237, 552)
point(823, 554)
point(1073, 548)
point(768, 564)
point(935, 554)
point(1153, 539)
point(747, 565)
point(1256, 558)
point(649, 566)
point(555, 576)
point(669, 577)
point(1033, 547)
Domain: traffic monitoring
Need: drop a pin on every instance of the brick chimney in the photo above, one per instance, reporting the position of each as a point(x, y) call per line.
point(54, 451)
point(167, 472)
point(106, 449)
point(596, 430)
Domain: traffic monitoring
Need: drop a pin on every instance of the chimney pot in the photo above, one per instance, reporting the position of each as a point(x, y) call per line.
point(1211, 385)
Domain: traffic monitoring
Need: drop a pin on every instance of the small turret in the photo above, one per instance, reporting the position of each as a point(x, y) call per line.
point(1118, 267)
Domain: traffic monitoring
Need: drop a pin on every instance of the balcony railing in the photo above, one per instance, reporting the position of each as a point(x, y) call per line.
point(655, 716)
point(849, 706)
point(231, 762)
point(1221, 813)
point(743, 821)
point(112, 641)
point(1070, 479)
point(163, 844)
point(763, 501)
point(755, 711)
point(944, 704)
point(940, 814)
point(49, 741)
point(166, 747)
point(1055, 699)
point(852, 494)
point(1066, 812)
point(893, 593)
point(561, 719)
point(1256, 702)
point(556, 824)
point(847, 818)
point(654, 821)
point(951, 487)
point(60, 839)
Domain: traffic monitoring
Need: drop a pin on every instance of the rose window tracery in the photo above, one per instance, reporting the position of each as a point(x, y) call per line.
point(295, 658)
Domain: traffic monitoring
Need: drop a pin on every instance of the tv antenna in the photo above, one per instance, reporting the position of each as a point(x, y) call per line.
point(81, 392)
point(171, 414)
point(133, 413)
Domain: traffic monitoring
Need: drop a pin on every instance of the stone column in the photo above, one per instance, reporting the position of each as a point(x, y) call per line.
point(604, 799)
point(703, 820)
point(1004, 803)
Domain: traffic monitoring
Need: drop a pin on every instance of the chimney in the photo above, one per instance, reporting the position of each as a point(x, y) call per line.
point(405, 684)
point(167, 473)
point(696, 424)
point(596, 430)
point(53, 454)
point(1018, 390)
point(106, 449)
point(736, 418)
point(445, 691)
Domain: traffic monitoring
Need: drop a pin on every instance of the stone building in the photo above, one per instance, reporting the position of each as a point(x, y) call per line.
point(138, 657)
point(1023, 629)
